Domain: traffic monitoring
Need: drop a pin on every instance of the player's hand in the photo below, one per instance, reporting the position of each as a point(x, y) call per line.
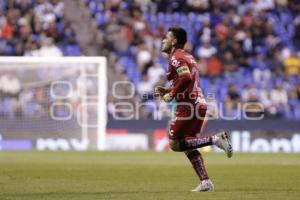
point(160, 91)
point(167, 97)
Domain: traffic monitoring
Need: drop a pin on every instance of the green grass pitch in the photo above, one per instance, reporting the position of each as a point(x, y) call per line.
point(145, 176)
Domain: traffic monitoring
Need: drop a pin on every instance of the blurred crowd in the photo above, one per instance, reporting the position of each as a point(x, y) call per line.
point(247, 50)
point(32, 28)
point(35, 28)
point(49, 92)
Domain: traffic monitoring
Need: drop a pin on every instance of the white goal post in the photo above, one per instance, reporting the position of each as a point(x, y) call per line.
point(67, 83)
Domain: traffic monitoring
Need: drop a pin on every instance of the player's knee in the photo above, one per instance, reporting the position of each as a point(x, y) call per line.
point(175, 146)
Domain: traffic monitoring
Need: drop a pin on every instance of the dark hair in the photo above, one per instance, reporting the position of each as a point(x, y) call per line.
point(180, 34)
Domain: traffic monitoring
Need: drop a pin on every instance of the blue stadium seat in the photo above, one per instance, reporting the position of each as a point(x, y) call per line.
point(72, 50)
point(101, 18)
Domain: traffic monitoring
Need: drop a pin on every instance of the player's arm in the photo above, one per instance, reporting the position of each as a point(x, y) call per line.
point(182, 82)
point(160, 91)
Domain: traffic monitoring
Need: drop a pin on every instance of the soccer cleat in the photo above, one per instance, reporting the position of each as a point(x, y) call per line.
point(222, 141)
point(204, 186)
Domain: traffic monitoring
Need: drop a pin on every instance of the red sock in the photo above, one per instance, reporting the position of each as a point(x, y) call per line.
point(195, 142)
point(196, 160)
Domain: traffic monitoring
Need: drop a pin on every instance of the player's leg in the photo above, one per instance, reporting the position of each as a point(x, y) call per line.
point(190, 140)
point(195, 156)
point(176, 132)
point(197, 162)
point(196, 159)
point(182, 131)
point(221, 140)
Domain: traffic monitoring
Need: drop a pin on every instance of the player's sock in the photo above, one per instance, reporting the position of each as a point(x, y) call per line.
point(195, 142)
point(196, 160)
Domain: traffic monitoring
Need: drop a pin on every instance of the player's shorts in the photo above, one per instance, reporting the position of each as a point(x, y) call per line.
point(187, 121)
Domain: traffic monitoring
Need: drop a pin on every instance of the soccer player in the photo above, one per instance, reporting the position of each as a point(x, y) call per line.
point(188, 119)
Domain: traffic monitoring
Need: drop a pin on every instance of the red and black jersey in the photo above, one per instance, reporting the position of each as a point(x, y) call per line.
point(185, 86)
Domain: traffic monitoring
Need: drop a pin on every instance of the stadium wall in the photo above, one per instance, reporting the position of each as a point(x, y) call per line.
point(246, 136)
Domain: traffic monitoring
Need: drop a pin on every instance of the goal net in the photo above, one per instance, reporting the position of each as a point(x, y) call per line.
point(52, 103)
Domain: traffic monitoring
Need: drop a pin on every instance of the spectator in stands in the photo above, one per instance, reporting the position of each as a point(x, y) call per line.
point(6, 30)
point(58, 8)
point(198, 5)
point(10, 84)
point(230, 65)
point(143, 57)
point(232, 100)
point(292, 65)
point(297, 88)
point(249, 93)
point(111, 108)
point(145, 87)
point(264, 96)
point(32, 49)
point(214, 66)
point(279, 99)
point(293, 111)
point(222, 30)
point(155, 72)
point(296, 37)
point(206, 50)
point(238, 54)
point(48, 48)
point(205, 34)
point(261, 71)
point(276, 67)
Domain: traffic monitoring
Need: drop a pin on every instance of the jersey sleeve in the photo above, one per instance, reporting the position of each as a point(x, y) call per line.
point(184, 75)
point(180, 65)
